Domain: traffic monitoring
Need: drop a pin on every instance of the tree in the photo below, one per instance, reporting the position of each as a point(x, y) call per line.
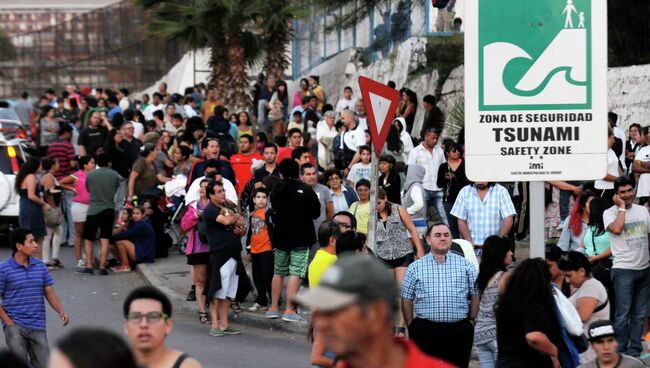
point(223, 26)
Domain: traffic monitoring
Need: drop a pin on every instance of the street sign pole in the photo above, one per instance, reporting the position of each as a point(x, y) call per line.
point(381, 102)
point(536, 225)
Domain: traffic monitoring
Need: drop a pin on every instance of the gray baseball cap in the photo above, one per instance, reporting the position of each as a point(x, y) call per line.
point(352, 279)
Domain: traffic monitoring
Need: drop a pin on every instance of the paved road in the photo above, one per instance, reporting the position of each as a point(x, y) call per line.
point(97, 301)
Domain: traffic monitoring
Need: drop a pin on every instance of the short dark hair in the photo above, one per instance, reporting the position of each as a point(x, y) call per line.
point(206, 142)
point(102, 159)
point(280, 140)
point(96, 347)
point(362, 183)
point(157, 94)
point(573, 261)
point(65, 128)
point(324, 233)
point(349, 242)
point(293, 131)
point(434, 225)
point(159, 114)
point(612, 116)
point(391, 84)
point(129, 114)
point(112, 99)
point(25, 95)
point(347, 88)
point(18, 236)
point(364, 148)
point(429, 99)
point(209, 190)
point(248, 137)
point(124, 91)
point(219, 110)
point(306, 166)
point(147, 292)
point(288, 168)
point(177, 116)
point(622, 181)
point(298, 152)
point(48, 162)
point(212, 163)
point(270, 145)
point(259, 190)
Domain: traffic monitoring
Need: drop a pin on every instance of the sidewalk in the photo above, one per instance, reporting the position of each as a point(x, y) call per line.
point(172, 275)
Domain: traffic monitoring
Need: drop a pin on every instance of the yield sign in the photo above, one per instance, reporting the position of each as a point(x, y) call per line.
point(381, 102)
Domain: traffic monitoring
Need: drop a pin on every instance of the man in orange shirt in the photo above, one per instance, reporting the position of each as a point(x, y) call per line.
point(242, 161)
point(207, 109)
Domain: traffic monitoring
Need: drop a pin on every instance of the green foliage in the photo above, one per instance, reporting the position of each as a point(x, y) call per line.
point(444, 54)
point(7, 49)
point(628, 32)
point(456, 118)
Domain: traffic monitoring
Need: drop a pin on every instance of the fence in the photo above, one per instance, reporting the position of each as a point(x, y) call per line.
point(380, 28)
point(107, 47)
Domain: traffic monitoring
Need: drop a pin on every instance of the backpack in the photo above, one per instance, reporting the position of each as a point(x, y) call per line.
point(440, 4)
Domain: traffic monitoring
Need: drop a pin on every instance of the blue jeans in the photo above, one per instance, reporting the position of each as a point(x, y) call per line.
point(434, 198)
point(632, 288)
point(487, 354)
point(25, 342)
point(565, 198)
point(68, 226)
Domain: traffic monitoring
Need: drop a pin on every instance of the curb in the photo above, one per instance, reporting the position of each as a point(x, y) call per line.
point(245, 318)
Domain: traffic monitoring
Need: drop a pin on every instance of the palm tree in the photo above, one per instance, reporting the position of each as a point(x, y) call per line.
point(223, 26)
point(277, 33)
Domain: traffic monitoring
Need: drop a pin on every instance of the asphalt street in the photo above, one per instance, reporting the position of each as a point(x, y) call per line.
point(97, 301)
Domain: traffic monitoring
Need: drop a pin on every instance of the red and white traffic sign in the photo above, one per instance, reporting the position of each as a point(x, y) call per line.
point(381, 102)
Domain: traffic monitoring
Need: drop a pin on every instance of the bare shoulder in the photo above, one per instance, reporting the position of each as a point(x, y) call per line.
point(191, 363)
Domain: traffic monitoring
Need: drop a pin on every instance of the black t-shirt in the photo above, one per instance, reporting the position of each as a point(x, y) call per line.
point(220, 238)
point(514, 350)
point(132, 149)
point(92, 138)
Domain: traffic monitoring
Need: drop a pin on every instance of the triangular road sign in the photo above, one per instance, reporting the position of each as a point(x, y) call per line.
point(381, 103)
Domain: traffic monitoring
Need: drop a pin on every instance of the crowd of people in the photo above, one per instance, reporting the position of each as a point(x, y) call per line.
point(289, 184)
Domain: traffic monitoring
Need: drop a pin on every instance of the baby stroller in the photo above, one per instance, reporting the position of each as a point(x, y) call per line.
point(155, 203)
point(175, 194)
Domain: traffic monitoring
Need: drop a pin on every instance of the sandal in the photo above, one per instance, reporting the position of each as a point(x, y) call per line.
point(236, 307)
point(400, 331)
point(57, 263)
point(203, 318)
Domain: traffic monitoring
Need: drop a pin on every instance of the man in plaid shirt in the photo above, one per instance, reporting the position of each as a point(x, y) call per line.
point(483, 209)
point(439, 290)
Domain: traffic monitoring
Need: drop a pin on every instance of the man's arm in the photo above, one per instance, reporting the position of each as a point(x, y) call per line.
point(463, 229)
point(407, 311)
point(5, 317)
point(618, 225)
point(329, 211)
point(473, 307)
point(506, 226)
point(53, 299)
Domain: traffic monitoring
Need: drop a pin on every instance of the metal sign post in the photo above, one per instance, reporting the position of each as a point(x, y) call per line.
point(536, 95)
point(381, 101)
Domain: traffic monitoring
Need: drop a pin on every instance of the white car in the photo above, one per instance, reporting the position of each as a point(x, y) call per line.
point(12, 156)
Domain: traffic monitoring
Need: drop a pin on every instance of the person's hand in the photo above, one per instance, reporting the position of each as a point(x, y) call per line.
point(577, 191)
point(46, 206)
point(592, 259)
point(64, 317)
point(618, 201)
point(556, 362)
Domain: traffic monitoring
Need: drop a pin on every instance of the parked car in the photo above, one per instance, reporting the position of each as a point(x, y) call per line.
point(10, 125)
point(13, 153)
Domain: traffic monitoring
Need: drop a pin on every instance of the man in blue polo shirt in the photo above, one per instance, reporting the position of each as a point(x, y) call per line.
point(24, 281)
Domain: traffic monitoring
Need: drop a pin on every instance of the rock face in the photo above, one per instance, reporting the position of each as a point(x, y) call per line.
point(627, 86)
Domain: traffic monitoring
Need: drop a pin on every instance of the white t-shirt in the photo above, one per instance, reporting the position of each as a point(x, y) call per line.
point(148, 112)
point(355, 138)
point(359, 171)
point(612, 169)
point(643, 186)
point(194, 191)
point(138, 130)
point(431, 162)
point(592, 288)
point(344, 104)
point(630, 247)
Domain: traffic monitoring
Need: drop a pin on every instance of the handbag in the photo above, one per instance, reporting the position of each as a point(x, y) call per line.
point(568, 313)
point(53, 217)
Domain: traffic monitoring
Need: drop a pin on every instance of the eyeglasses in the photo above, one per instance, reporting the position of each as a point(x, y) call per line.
point(152, 317)
point(346, 226)
point(334, 178)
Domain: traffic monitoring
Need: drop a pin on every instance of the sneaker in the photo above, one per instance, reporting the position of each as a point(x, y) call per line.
point(273, 314)
point(292, 317)
point(216, 332)
point(230, 331)
point(191, 296)
point(121, 269)
point(102, 272)
point(81, 263)
point(85, 270)
point(257, 308)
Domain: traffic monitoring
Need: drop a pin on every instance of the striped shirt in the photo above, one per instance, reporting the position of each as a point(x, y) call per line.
point(22, 292)
point(484, 217)
point(440, 291)
point(64, 152)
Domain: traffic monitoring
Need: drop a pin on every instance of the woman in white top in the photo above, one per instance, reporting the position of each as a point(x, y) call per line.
point(605, 186)
point(325, 134)
point(404, 136)
point(589, 296)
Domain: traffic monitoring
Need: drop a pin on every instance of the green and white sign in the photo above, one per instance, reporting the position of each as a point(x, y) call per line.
point(535, 89)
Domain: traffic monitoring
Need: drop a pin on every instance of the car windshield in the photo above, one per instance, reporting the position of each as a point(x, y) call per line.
point(8, 114)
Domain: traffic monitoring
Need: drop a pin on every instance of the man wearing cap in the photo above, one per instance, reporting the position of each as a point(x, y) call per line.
point(353, 310)
point(439, 289)
point(602, 337)
point(628, 225)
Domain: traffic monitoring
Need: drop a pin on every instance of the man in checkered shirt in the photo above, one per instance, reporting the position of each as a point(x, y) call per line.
point(439, 291)
point(483, 209)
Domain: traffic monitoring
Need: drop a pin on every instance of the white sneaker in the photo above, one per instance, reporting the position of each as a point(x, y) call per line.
point(81, 264)
point(257, 308)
